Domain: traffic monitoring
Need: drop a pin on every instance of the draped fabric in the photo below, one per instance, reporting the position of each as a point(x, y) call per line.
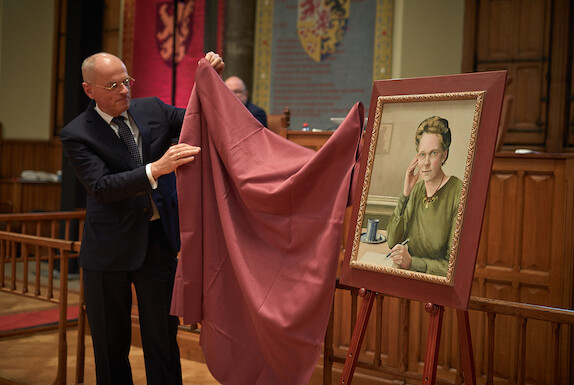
point(261, 222)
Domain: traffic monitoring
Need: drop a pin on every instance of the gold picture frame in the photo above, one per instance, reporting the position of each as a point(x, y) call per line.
point(470, 105)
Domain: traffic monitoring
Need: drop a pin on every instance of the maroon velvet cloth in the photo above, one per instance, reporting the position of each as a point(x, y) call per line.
point(261, 222)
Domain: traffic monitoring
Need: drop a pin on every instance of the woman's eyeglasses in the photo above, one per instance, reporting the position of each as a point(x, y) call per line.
point(432, 155)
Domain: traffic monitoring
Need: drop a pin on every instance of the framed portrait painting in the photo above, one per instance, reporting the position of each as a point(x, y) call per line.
point(419, 201)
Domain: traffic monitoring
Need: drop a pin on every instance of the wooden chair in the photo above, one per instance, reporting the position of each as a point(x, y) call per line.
point(6, 207)
point(279, 123)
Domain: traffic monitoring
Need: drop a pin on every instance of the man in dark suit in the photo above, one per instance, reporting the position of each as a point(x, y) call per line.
point(237, 86)
point(121, 151)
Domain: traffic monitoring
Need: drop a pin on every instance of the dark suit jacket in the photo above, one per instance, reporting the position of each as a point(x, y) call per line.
point(116, 228)
point(257, 112)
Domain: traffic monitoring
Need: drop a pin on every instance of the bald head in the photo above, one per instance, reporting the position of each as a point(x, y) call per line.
point(236, 85)
point(93, 63)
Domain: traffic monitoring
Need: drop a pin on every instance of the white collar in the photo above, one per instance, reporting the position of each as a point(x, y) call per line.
point(107, 117)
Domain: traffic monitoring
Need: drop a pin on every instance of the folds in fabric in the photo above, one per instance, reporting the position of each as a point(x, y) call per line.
point(261, 221)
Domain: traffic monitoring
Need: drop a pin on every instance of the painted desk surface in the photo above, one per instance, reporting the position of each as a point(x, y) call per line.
point(375, 253)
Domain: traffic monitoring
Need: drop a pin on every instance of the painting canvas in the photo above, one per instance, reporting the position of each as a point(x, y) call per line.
point(419, 201)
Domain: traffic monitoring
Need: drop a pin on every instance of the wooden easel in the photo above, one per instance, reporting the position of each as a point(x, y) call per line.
point(433, 341)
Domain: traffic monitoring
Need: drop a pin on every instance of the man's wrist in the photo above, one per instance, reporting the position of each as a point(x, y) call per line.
point(150, 177)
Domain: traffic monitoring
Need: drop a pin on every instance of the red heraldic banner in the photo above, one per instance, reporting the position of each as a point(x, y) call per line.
point(149, 50)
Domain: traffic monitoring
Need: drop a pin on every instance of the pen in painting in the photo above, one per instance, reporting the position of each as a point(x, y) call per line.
point(402, 243)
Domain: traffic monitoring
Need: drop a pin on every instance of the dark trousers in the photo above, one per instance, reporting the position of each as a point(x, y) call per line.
point(108, 298)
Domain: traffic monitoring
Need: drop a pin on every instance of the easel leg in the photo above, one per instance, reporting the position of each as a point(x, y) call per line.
point(357, 337)
point(433, 342)
point(466, 347)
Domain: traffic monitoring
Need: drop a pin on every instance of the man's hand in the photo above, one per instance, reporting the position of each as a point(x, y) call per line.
point(177, 155)
point(216, 61)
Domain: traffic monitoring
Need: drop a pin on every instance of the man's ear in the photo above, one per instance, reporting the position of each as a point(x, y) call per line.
point(88, 90)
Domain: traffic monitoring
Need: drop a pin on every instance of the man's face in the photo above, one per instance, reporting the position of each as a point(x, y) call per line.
point(107, 71)
point(238, 88)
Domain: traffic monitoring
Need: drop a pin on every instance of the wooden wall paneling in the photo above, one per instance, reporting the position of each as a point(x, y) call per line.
point(531, 29)
point(404, 330)
point(367, 349)
point(479, 335)
point(397, 327)
point(512, 36)
point(567, 334)
point(537, 247)
point(568, 263)
point(470, 26)
point(538, 340)
point(375, 344)
point(528, 116)
point(394, 319)
point(505, 335)
point(570, 124)
point(342, 322)
point(528, 209)
point(451, 341)
point(391, 333)
point(446, 359)
point(11, 192)
point(501, 222)
point(19, 155)
point(544, 214)
point(559, 73)
point(416, 330)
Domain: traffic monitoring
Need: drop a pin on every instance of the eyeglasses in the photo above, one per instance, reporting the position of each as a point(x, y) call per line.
point(433, 154)
point(115, 85)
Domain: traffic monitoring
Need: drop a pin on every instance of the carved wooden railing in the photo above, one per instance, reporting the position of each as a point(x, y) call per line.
point(561, 348)
point(27, 240)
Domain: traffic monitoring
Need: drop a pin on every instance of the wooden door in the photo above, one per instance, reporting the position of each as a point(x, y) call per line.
point(570, 127)
point(532, 39)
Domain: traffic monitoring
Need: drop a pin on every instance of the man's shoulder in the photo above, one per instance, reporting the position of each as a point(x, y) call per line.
point(254, 107)
point(146, 100)
point(151, 104)
point(81, 120)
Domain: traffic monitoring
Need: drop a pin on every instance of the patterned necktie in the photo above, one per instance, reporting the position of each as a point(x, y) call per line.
point(128, 138)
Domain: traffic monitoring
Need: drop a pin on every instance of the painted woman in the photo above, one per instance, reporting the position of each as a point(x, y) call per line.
point(427, 210)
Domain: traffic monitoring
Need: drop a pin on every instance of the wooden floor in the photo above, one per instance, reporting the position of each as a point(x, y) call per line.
point(32, 359)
